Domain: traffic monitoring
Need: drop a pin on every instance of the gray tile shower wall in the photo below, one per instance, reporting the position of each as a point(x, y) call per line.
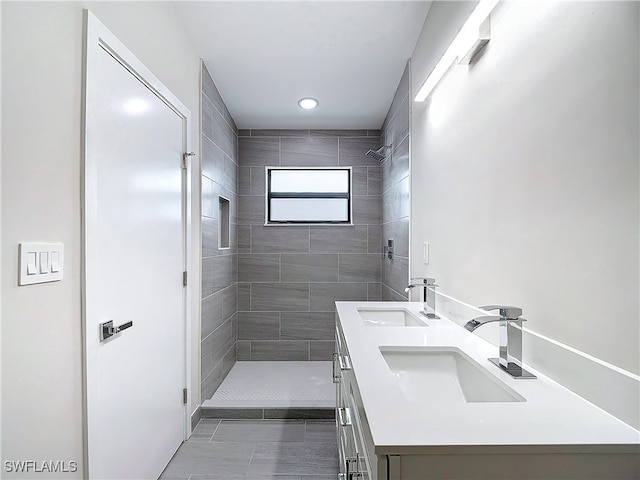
point(219, 325)
point(395, 193)
point(290, 276)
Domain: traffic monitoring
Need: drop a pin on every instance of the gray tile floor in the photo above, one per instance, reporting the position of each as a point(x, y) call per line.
point(257, 450)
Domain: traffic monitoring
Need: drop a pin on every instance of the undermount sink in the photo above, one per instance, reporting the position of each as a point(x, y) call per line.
point(390, 317)
point(444, 375)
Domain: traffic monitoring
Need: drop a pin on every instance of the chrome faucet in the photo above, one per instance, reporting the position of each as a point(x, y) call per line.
point(429, 295)
point(510, 338)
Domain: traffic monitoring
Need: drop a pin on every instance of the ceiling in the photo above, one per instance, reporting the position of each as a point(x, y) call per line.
point(266, 55)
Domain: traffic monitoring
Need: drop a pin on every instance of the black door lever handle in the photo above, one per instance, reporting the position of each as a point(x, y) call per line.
point(107, 329)
point(124, 326)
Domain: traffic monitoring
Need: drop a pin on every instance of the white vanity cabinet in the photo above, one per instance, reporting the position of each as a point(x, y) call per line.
point(543, 432)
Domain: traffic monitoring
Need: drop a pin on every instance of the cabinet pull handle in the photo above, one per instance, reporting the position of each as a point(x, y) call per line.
point(336, 376)
point(353, 473)
point(344, 416)
point(345, 362)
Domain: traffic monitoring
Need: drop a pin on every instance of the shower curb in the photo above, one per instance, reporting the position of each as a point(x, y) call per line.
point(195, 417)
point(285, 413)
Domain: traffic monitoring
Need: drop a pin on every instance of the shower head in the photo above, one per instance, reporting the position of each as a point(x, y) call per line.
point(375, 155)
point(378, 154)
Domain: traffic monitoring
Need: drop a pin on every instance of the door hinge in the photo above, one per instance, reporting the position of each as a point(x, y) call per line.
point(184, 279)
point(185, 158)
point(184, 396)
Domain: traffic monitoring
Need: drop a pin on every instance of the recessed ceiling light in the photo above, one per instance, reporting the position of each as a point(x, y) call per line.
point(308, 103)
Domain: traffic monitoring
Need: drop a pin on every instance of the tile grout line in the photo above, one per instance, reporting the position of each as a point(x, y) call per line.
point(216, 108)
point(255, 444)
point(214, 432)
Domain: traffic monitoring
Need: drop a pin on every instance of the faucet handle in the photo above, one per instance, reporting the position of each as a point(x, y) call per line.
point(511, 313)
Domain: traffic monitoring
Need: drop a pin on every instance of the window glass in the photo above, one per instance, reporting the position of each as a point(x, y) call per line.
point(308, 195)
point(310, 181)
point(310, 209)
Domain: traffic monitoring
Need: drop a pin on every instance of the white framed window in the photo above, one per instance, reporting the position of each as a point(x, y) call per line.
point(308, 195)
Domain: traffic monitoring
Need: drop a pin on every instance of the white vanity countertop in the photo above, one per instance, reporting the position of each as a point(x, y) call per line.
point(552, 419)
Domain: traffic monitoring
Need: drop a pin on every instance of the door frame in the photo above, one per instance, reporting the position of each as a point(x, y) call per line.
point(97, 36)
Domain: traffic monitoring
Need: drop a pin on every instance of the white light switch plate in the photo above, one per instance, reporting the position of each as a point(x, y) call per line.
point(40, 262)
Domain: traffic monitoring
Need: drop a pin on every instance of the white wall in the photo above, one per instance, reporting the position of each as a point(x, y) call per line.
point(525, 170)
point(41, 126)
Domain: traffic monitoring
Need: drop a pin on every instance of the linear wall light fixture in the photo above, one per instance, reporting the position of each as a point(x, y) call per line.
point(471, 38)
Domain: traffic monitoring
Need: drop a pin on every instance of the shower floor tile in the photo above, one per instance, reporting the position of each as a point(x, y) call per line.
point(276, 385)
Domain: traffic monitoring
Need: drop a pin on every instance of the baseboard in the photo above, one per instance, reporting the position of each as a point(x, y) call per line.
point(611, 388)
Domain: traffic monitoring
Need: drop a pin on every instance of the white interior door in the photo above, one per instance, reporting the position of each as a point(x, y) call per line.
point(134, 256)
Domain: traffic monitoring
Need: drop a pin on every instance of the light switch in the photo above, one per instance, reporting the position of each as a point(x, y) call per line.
point(40, 262)
point(31, 263)
point(55, 262)
point(44, 262)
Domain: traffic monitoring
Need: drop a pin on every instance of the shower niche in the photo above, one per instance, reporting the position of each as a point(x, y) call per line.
point(224, 229)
